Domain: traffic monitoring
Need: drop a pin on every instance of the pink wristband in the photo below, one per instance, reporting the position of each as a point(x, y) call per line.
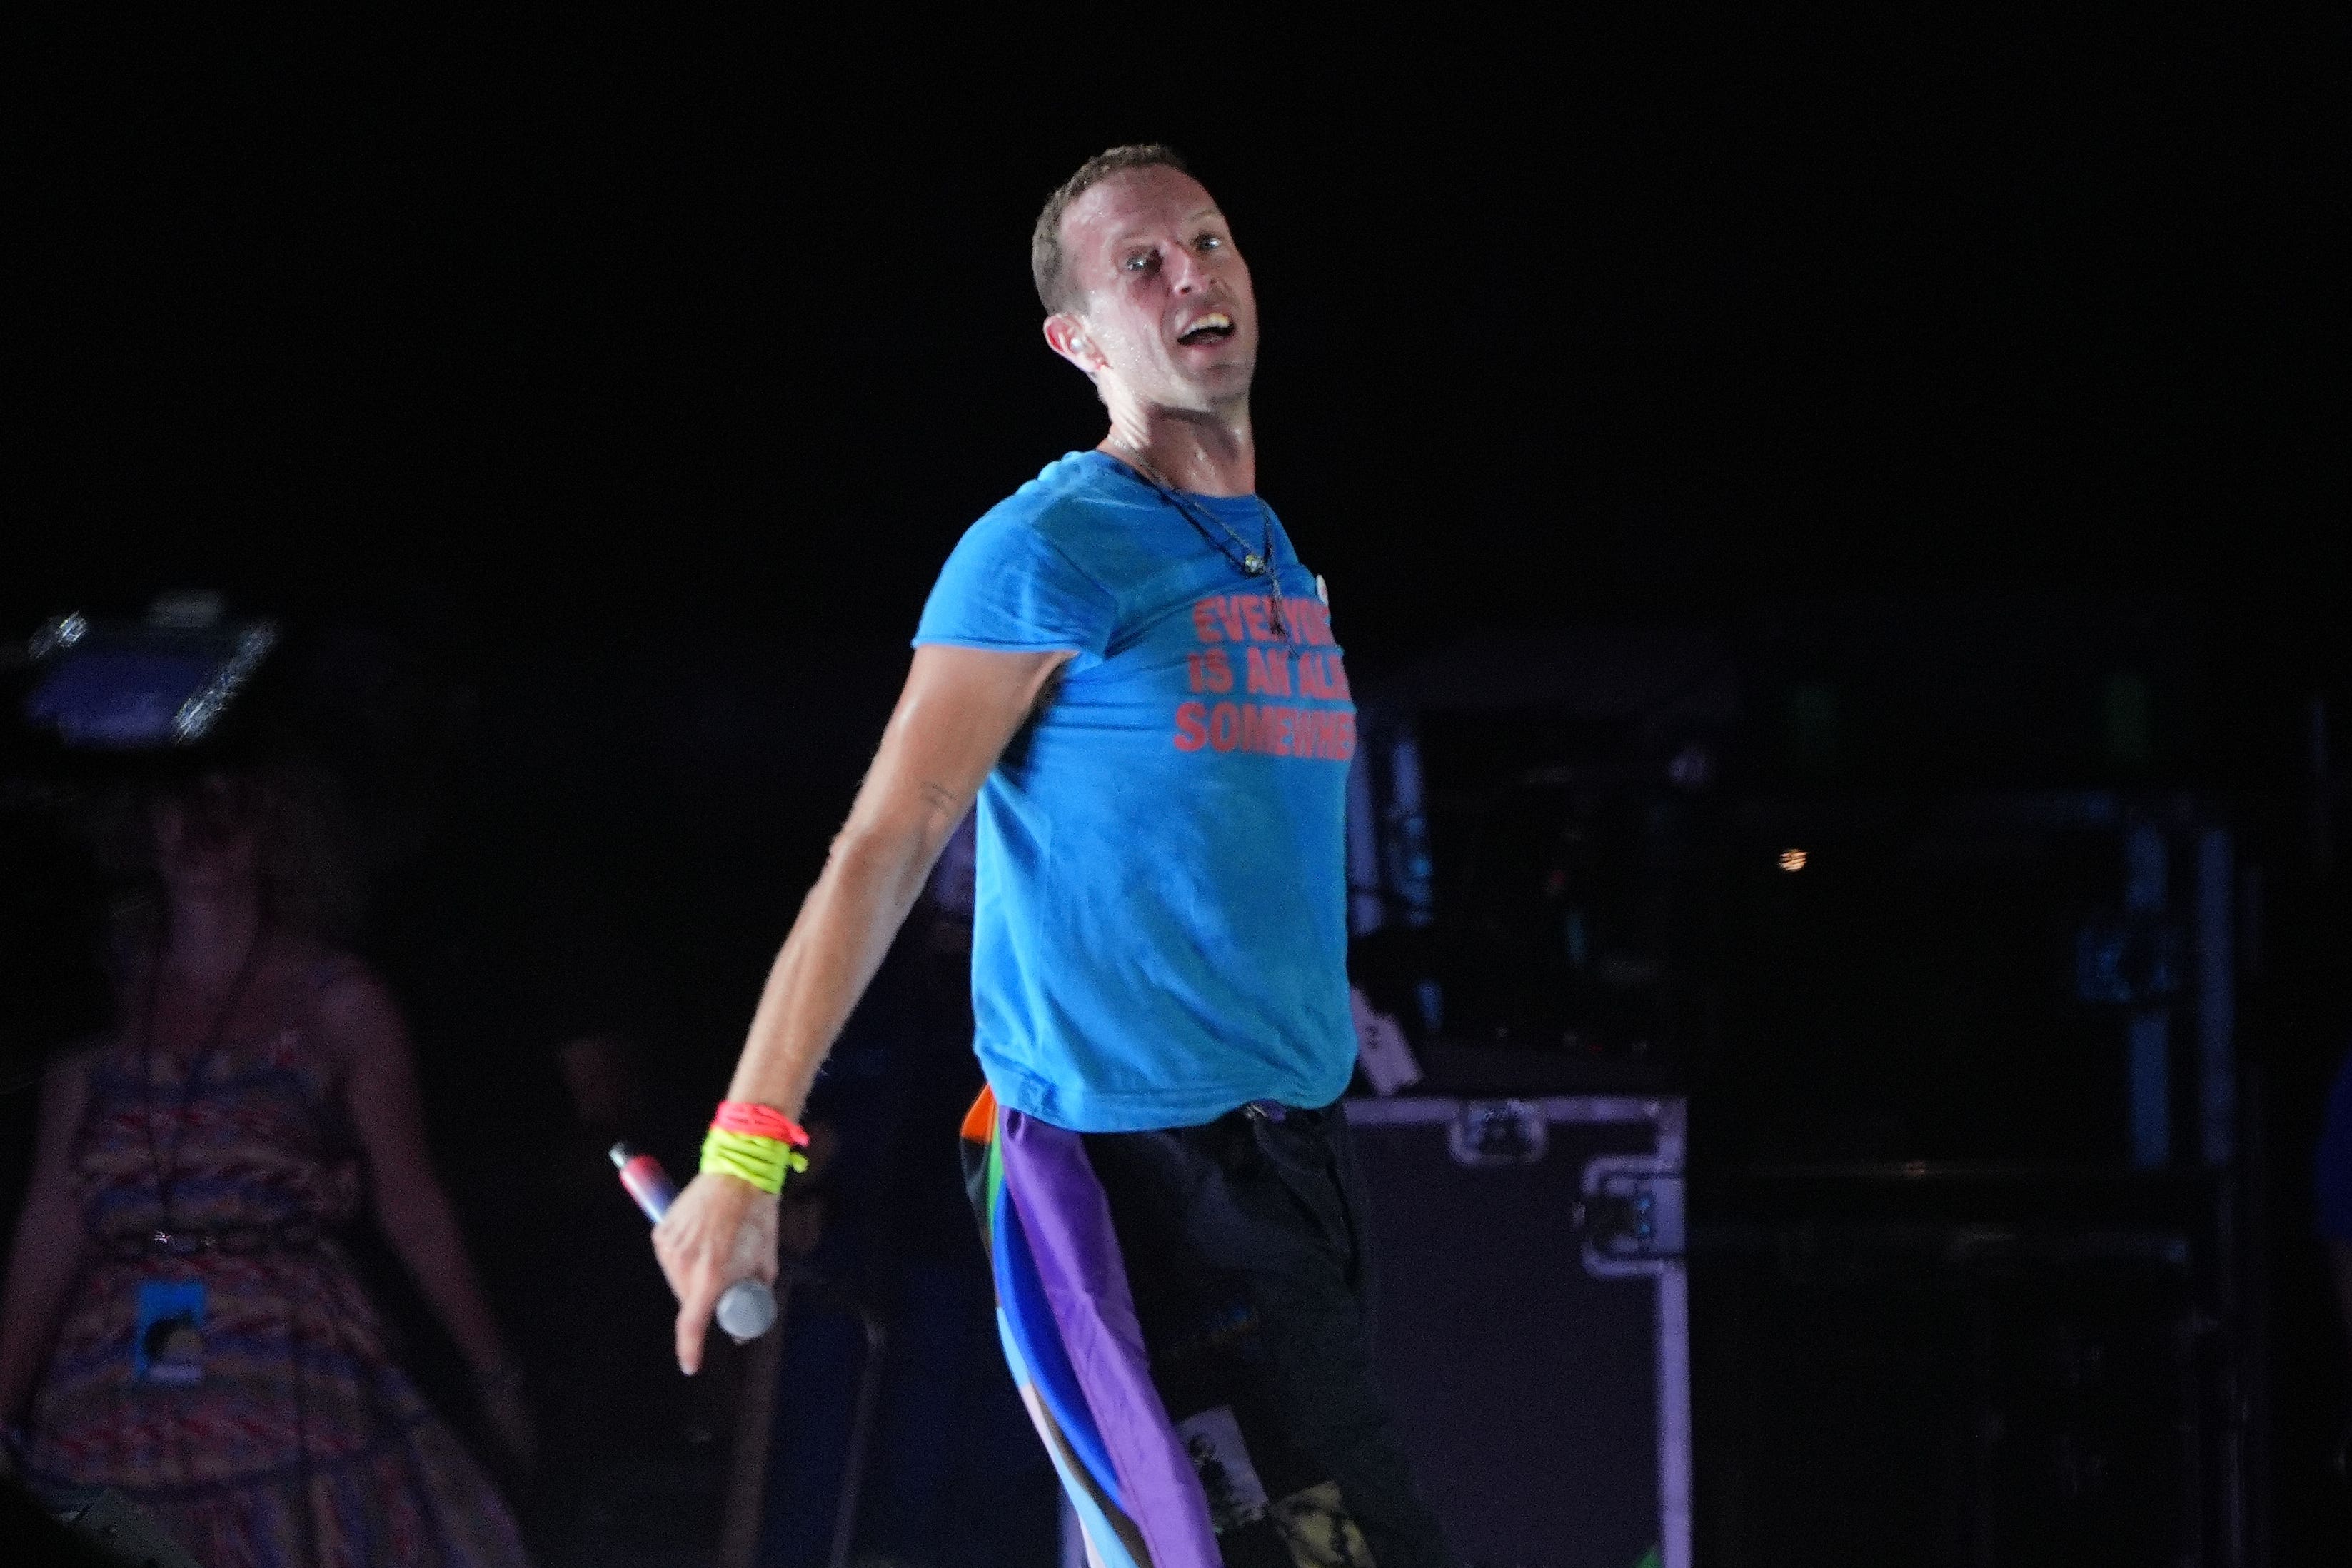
point(759, 1121)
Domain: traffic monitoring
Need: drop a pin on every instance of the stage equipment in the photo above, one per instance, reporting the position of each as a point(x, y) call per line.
point(2029, 976)
point(1961, 696)
point(1531, 1328)
point(1971, 1362)
point(1917, 910)
point(1530, 857)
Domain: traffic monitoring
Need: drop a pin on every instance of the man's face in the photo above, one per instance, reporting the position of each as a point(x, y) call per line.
point(1166, 309)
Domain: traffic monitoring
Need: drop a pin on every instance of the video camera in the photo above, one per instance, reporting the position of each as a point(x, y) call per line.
point(164, 684)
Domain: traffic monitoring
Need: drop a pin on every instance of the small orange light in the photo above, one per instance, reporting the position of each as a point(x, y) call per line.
point(1793, 859)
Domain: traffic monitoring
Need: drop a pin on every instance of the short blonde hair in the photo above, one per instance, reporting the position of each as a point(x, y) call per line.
point(1045, 260)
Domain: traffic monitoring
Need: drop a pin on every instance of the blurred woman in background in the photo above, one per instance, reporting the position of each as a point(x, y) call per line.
point(180, 1322)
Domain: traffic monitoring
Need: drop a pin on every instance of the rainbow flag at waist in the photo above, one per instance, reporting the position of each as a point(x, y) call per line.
point(1071, 1336)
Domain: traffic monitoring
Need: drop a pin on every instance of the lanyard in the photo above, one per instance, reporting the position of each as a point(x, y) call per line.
point(1253, 562)
point(162, 1154)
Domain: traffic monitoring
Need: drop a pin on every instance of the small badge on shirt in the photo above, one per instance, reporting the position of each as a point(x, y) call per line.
point(1212, 1441)
point(168, 1345)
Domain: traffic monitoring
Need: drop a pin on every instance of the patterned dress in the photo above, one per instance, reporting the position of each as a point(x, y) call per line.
point(304, 1444)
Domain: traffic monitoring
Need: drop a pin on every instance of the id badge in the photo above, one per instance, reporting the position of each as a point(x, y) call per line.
point(1212, 1441)
point(168, 1345)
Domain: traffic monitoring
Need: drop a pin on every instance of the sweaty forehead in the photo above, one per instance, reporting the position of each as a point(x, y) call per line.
point(1135, 201)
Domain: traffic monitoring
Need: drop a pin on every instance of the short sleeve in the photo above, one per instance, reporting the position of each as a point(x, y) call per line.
point(1008, 585)
point(2333, 1167)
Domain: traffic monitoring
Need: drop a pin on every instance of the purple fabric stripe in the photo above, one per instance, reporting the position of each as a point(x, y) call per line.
point(1029, 1320)
point(1067, 1219)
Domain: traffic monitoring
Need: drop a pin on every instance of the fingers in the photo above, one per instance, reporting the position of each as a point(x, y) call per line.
point(693, 1324)
point(717, 1232)
point(669, 1254)
point(690, 1275)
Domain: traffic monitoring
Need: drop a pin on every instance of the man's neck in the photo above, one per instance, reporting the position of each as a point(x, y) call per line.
point(1211, 454)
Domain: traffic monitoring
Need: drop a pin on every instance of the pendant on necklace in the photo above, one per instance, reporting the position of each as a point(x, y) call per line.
point(1252, 565)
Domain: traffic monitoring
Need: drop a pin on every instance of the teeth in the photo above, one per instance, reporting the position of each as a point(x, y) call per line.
point(1214, 319)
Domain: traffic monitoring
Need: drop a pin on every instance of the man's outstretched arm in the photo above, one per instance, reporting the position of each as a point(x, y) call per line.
point(959, 709)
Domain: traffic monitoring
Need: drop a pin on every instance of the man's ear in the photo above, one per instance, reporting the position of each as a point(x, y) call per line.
point(1067, 335)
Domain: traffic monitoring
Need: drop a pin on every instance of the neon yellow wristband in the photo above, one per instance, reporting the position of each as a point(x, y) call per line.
point(763, 1161)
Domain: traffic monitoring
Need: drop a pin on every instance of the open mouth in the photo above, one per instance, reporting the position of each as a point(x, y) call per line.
point(1213, 327)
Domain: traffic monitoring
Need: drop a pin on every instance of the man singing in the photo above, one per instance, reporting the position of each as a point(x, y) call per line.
point(1128, 666)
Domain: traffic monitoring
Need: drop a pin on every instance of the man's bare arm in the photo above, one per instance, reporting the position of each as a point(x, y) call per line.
point(959, 709)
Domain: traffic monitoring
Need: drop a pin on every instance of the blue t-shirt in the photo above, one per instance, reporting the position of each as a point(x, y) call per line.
point(1160, 930)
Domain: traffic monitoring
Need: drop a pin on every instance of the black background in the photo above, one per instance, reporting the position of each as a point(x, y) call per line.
point(605, 327)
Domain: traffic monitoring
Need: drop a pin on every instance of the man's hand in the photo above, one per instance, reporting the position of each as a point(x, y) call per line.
point(719, 1230)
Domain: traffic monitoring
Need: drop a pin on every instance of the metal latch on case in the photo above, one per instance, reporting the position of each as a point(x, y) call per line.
point(1631, 1216)
point(1497, 1132)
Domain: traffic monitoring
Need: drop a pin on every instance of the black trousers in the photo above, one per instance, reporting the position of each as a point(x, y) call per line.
point(1245, 1248)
